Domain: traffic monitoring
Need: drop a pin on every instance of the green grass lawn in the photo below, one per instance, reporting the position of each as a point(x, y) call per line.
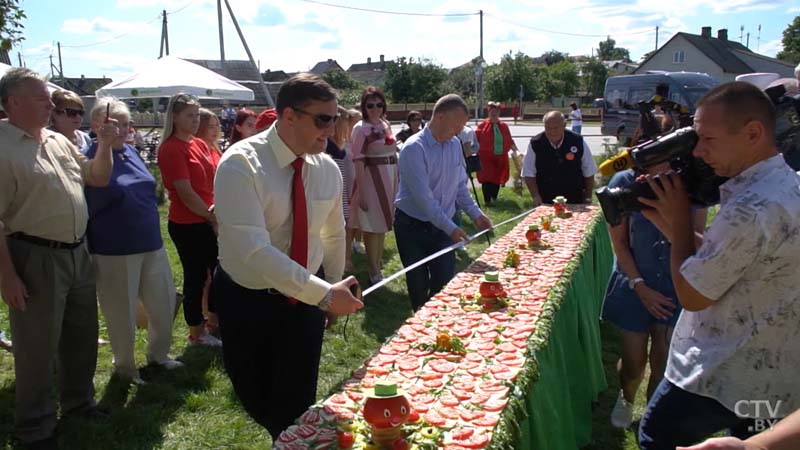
point(195, 407)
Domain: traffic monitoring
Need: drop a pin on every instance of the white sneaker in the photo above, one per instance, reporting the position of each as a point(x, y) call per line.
point(358, 247)
point(206, 339)
point(622, 414)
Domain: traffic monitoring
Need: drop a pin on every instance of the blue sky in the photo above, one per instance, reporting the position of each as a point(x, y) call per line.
point(110, 37)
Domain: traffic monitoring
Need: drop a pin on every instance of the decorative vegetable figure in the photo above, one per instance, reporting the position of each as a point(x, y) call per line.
point(491, 288)
point(560, 205)
point(545, 222)
point(386, 410)
point(533, 235)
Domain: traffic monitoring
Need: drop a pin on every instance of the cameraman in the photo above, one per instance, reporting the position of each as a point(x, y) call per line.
point(736, 345)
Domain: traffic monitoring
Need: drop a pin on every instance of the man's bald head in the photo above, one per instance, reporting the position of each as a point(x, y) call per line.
point(554, 125)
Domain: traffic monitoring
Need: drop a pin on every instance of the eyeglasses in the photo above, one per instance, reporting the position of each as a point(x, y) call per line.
point(373, 105)
point(321, 121)
point(186, 98)
point(70, 112)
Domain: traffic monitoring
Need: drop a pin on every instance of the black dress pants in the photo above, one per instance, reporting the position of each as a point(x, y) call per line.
point(271, 353)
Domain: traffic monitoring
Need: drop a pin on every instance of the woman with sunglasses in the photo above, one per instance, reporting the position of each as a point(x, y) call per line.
point(375, 157)
point(413, 125)
point(244, 126)
point(187, 168)
point(134, 267)
point(67, 116)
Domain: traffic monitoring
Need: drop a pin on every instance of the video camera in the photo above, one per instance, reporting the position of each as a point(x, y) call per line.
point(676, 148)
point(787, 124)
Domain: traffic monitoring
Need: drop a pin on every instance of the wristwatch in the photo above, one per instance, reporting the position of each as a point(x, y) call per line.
point(325, 304)
point(632, 282)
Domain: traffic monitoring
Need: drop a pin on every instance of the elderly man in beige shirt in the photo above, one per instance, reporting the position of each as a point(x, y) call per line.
point(45, 271)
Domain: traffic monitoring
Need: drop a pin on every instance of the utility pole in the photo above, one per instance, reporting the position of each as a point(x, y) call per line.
point(480, 74)
point(21, 64)
point(164, 35)
point(758, 39)
point(656, 37)
point(221, 37)
point(51, 65)
point(748, 40)
point(741, 33)
point(250, 55)
point(60, 67)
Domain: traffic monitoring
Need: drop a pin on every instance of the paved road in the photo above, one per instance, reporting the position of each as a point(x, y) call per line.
point(523, 133)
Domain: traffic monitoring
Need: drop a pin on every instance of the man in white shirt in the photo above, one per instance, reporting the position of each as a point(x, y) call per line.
point(576, 116)
point(735, 351)
point(558, 163)
point(279, 207)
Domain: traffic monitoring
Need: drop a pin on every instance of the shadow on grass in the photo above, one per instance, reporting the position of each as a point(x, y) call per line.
point(604, 435)
point(141, 421)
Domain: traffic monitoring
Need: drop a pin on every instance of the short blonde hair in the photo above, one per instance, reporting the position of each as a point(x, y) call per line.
point(114, 107)
point(64, 99)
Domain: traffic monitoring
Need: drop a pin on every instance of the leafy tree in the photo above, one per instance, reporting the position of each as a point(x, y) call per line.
point(502, 80)
point(415, 81)
point(11, 17)
point(462, 80)
point(608, 51)
point(340, 79)
point(563, 79)
point(594, 77)
point(554, 57)
point(791, 42)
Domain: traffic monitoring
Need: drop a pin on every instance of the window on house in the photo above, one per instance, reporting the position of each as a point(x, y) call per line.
point(678, 57)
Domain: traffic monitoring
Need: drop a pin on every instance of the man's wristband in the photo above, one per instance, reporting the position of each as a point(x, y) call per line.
point(325, 304)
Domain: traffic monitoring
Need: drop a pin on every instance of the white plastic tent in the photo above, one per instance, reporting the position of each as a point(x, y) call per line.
point(170, 75)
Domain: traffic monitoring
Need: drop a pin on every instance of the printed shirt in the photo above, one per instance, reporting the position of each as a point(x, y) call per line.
point(745, 347)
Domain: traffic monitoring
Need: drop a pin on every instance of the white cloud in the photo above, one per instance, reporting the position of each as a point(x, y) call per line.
point(769, 48)
point(100, 27)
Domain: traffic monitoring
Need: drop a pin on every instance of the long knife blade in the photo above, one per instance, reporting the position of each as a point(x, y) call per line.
point(441, 252)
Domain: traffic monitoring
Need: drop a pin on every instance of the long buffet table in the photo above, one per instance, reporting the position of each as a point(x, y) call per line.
point(530, 366)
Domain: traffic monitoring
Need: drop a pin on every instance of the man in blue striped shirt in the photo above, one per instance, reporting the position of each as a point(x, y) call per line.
point(432, 183)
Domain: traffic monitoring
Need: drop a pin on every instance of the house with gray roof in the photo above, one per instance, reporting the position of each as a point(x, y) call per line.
point(717, 56)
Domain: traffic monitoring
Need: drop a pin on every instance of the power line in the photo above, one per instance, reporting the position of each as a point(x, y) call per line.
point(564, 33)
point(396, 13)
point(181, 8)
point(112, 39)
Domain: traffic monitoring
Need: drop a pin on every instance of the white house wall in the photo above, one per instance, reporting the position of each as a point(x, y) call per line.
point(694, 61)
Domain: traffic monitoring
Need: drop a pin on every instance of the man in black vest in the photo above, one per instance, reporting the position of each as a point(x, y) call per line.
point(558, 163)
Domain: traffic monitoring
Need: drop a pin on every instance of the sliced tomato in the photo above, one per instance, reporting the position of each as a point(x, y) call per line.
point(461, 434)
point(494, 404)
point(449, 400)
point(488, 420)
point(441, 366)
point(355, 395)
point(435, 383)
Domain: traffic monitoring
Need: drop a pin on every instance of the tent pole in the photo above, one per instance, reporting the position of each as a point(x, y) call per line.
point(250, 55)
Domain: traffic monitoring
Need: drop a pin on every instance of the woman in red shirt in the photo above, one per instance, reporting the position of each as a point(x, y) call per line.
point(187, 168)
point(495, 142)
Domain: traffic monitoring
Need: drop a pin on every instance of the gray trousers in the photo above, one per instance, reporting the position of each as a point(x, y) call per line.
point(56, 332)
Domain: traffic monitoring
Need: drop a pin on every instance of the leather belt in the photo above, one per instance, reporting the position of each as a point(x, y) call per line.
point(56, 245)
point(380, 160)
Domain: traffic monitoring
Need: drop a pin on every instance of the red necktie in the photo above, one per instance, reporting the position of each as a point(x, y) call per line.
point(299, 248)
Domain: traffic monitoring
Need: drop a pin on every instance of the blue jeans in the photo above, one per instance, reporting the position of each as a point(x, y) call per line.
point(577, 129)
point(416, 240)
point(676, 417)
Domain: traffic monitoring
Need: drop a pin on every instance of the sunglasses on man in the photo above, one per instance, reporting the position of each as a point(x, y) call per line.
point(321, 121)
point(70, 112)
point(373, 105)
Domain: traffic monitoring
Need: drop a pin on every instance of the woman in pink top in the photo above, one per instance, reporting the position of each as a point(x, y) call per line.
point(375, 157)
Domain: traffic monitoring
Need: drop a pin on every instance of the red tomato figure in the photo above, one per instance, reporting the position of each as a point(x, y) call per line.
point(491, 286)
point(533, 234)
point(388, 407)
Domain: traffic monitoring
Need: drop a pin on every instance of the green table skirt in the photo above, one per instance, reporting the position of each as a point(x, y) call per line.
point(570, 363)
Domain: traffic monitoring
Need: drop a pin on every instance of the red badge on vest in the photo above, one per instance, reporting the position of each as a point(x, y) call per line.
point(570, 156)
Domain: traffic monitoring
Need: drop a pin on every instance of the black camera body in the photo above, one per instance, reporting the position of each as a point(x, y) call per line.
point(676, 148)
point(787, 124)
